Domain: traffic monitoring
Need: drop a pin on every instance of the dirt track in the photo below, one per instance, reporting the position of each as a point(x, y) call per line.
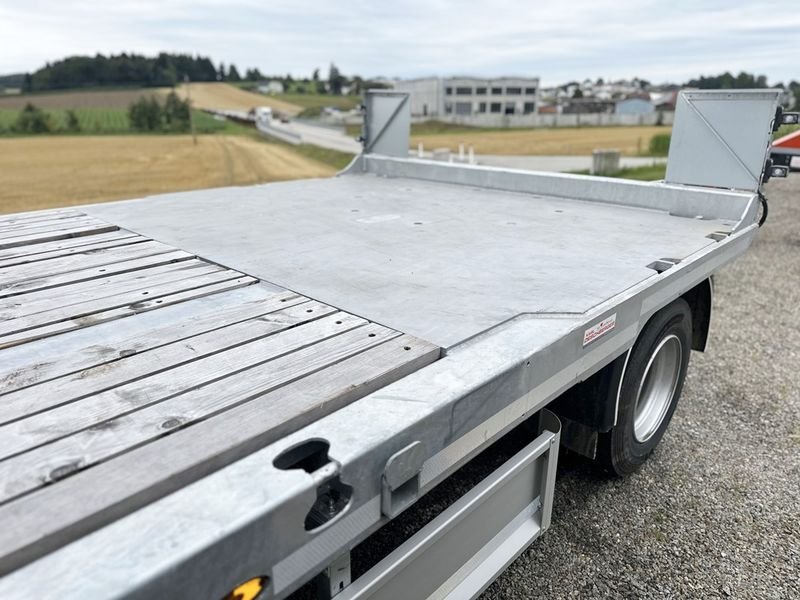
point(59, 171)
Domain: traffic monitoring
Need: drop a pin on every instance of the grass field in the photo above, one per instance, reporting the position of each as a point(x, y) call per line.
point(572, 141)
point(645, 173)
point(81, 99)
point(49, 171)
point(209, 95)
point(569, 141)
point(114, 121)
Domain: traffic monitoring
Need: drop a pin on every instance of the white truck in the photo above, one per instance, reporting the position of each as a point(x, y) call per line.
point(224, 393)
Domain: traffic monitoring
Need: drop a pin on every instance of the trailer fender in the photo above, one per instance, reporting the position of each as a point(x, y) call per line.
point(700, 299)
point(590, 407)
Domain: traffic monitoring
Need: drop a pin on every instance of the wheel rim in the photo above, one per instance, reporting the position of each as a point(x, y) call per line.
point(657, 388)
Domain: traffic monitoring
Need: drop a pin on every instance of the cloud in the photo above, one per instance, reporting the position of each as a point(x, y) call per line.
point(409, 38)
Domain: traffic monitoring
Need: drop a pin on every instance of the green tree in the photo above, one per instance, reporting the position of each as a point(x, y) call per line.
point(233, 74)
point(145, 114)
point(335, 80)
point(659, 144)
point(73, 124)
point(253, 75)
point(221, 72)
point(176, 113)
point(33, 120)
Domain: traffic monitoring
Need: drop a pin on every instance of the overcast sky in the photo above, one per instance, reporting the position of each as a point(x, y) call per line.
point(557, 40)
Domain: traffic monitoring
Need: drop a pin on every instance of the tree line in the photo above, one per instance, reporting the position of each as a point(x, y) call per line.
point(164, 70)
point(167, 70)
point(743, 81)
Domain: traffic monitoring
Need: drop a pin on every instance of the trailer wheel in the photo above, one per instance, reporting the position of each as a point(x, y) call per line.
point(650, 388)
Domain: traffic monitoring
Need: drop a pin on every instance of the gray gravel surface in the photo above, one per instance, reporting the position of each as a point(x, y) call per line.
point(715, 512)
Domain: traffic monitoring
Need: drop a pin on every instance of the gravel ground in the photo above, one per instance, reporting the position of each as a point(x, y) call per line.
point(715, 512)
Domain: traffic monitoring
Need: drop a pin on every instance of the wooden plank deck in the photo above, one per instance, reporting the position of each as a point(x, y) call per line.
point(86, 422)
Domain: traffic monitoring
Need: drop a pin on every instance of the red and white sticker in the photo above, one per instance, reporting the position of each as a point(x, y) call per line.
point(602, 328)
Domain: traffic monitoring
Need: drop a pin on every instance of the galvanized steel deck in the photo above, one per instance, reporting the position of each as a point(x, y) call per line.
point(439, 261)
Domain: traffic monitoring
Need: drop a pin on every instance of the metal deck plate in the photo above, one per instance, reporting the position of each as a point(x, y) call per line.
point(441, 262)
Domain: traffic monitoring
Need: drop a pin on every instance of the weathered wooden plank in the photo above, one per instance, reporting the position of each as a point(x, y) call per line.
point(24, 254)
point(81, 261)
point(40, 238)
point(55, 515)
point(122, 312)
point(46, 225)
point(40, 215)
point(59, 459)
point(30, 285)
point(43, 360)
point(66, 243)
point(64, 390)
point(138, 392)
point(94, 289)
point(82, 310)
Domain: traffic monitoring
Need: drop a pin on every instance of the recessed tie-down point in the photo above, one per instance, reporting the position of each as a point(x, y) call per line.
point(333, 496)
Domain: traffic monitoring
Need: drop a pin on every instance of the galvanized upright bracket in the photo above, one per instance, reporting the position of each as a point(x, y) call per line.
point(387, 123)
point(722, 138)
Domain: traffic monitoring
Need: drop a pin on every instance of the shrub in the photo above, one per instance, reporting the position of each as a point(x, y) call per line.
point(148, 115)
point(176, 113)
point(659, 144)
point(33, 120)
point(73, 124)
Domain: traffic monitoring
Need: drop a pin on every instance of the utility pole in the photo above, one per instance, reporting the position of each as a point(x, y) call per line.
point(191, 114)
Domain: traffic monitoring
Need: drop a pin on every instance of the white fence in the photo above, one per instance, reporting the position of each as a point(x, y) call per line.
point(536, 120)
point(560, 120)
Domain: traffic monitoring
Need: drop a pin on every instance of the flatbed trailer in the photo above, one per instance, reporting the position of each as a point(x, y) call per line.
point(235, 387)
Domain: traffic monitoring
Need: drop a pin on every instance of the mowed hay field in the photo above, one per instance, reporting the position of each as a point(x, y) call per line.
point(211, 95)
point(545, 142)
point(46, 172)
point(221, 96)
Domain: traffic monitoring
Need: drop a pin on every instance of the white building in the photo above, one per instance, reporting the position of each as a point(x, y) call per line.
point(271, 87)
point(634, 106)
point(471, 97)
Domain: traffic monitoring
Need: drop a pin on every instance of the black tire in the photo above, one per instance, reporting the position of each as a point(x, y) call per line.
point(626, 446)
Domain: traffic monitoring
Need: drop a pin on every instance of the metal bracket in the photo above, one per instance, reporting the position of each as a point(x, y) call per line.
point(721, 138)
point(335, 578)
point(784, 118)
point(387, 123)
point(400, 480)
point(460, 552)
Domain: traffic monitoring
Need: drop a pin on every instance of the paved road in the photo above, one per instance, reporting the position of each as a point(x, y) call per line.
point(715, 512)
point(325, 137)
